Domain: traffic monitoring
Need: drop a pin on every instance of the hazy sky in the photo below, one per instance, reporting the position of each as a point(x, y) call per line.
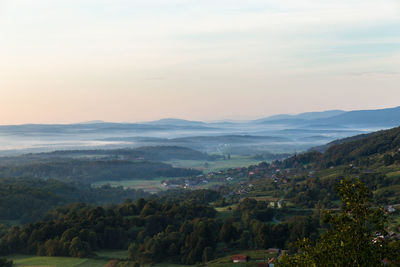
point(126, 60)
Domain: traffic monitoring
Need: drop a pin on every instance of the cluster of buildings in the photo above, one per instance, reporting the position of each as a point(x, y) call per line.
point(265, 262)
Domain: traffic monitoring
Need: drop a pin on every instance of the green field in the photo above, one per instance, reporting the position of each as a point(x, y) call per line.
point(152, 186)
point(11, 222)
point(395, 174)
point(256, 256)
point(219, 164)
point(224, 213)
point(170, 265)
point(113, 254)
point(23, 260)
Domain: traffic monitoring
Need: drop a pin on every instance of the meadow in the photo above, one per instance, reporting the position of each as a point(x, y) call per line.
point(216, 165)
point(151, 186)
point(154, 185)
point(23, 260)
point(101, 258)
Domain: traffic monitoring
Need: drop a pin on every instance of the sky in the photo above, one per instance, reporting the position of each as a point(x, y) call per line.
point(69, 61)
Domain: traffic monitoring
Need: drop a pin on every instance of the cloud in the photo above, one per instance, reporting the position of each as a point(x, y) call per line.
point(136, 49)
point(375, 73)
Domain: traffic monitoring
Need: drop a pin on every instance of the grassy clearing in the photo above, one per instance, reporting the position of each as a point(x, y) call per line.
point(265, 198)
point(23, 260)
point(224, 215)
point(226, 208)
point(256, 256)
point(395, 174)
point(389, 169)
point(171, 265)
point(153, 185)
point(220, 164)
point(393, 188)
point(113, 254)
point(11, 222)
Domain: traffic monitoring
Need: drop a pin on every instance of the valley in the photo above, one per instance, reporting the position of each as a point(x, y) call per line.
point(271, 135)
point(249, 207)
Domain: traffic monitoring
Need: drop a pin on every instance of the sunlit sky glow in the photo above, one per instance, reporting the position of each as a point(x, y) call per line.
point(126, 60)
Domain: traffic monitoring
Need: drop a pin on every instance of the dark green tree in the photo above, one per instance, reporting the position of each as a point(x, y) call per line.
point(356, 236)
point(5, 263)
point(208, 253)
point(388, 159)
point(263, 236)
point(228, 232)
point(78, 248)
point(53, 247)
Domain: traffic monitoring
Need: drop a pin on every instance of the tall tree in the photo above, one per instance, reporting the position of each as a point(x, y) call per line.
point(356, 236)
point(5, 263)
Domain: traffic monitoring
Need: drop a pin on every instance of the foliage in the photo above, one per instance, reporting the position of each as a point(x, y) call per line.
point(356, 149)
point(379, 142)
point(356, 237)
point(158, 229)
point(151, 153)
point(5, 263)
point(28, 260)
point(29, 199)
point(89, 171)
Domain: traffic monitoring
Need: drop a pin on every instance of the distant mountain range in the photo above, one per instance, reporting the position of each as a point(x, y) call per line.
point(388, 117)
point(172, 121)
point(282, 133)
point(380, 117)
point(303, 116)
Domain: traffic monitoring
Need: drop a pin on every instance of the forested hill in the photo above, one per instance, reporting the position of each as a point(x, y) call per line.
point(90, 166)
point(150, 153)
point(153, 153)
point(90, 171)
point(387, 141)
point(324, 147)
point(30, 199)
point(357, 149)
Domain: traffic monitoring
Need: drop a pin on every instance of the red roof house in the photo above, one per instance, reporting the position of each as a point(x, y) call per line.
point(240, 258)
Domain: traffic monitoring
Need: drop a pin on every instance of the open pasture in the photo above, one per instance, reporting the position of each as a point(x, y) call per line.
point(216, 165)
point(23, 260)
point(147, 185)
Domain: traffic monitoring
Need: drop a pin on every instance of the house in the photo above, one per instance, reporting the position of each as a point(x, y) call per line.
point(268, 263)
point(240, 258)
point(389, 209)
point(274, 250)
point(271, 262)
